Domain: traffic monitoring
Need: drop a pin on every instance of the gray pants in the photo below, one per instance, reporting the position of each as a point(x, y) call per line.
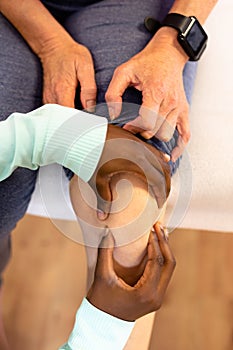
point(113, 31)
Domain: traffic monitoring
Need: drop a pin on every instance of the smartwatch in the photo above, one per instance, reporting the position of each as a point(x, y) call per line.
point(191, 35)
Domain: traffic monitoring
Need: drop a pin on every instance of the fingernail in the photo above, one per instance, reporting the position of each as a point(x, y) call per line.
point(166, 157)
point(90, 106)
point(147, 135)
point(101, 214)
point(166, 234)
point(111, 113)
point(173, 159)
point(163, 232)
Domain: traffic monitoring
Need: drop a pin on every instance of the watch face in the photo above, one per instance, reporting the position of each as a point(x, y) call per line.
point(196, 38)
point(193, 40)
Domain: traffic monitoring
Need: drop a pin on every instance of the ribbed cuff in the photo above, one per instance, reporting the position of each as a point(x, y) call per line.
point(95, 329)
point(74, 139)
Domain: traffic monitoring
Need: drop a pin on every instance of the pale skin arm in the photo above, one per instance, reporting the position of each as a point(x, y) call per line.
point(65, 62)
point(157, 72)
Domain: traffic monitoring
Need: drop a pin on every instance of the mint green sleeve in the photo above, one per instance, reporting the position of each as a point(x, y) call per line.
point(95, 329)
point(52, 134)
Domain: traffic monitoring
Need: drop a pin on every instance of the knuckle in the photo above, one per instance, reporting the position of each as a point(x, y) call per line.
point(160, 260)
point(118, 70)
point(109, 96)
point(122, 69)
point(172, 262)
point(172, 101)
point(84, 52)
point(160, 90)
point(88, 67)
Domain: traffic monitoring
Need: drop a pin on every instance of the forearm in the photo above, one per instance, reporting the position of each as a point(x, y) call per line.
point(34, 22)
point(198, 8)
point(52, 134)
point(166, 37)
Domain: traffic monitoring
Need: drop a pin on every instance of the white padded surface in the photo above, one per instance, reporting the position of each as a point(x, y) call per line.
point(211, 146)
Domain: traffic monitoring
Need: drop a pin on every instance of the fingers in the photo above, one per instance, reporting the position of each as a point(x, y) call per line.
point(169, 260)
point(147, 119)
point(104, 198)
point(155, 177)
point(184, 137)
point(88, 87)
point(135, 126)
point(167, 128)
point(157, 182)
point(104, 266)
point(154, 265)
point(66, 67)
point(119, 83)
point(160, 194)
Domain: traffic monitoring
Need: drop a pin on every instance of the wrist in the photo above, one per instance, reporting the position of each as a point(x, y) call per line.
point(53, 43)
point(167, 37)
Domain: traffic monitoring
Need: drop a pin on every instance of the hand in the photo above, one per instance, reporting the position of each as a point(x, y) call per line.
point(125, 153)
point(111, 294)
point(157, 72)
point(65, 65)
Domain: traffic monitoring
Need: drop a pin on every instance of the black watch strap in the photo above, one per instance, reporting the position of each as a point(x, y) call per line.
point(177, 21)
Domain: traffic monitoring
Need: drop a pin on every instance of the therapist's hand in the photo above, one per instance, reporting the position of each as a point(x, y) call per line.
point(111, 294)
point(66, 65)
point(157, 72)
point(125, 153)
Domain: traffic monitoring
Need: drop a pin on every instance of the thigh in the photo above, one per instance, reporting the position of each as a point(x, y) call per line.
point(114, 31)
point(20, 73)
point(20, 90)
point(15, 195)
point(5, 250)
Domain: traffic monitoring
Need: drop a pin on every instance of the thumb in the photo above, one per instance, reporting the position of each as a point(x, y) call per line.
point(146, 121)
point(115, 91)
point(86, 78)
point(104, 199)
point(104, 265)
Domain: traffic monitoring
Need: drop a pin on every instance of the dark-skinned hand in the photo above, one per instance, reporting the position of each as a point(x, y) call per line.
point(112, 295)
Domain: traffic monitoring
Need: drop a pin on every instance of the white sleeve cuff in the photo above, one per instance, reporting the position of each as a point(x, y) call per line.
point(95, 329)
point(52, 134)
point(73, 138)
